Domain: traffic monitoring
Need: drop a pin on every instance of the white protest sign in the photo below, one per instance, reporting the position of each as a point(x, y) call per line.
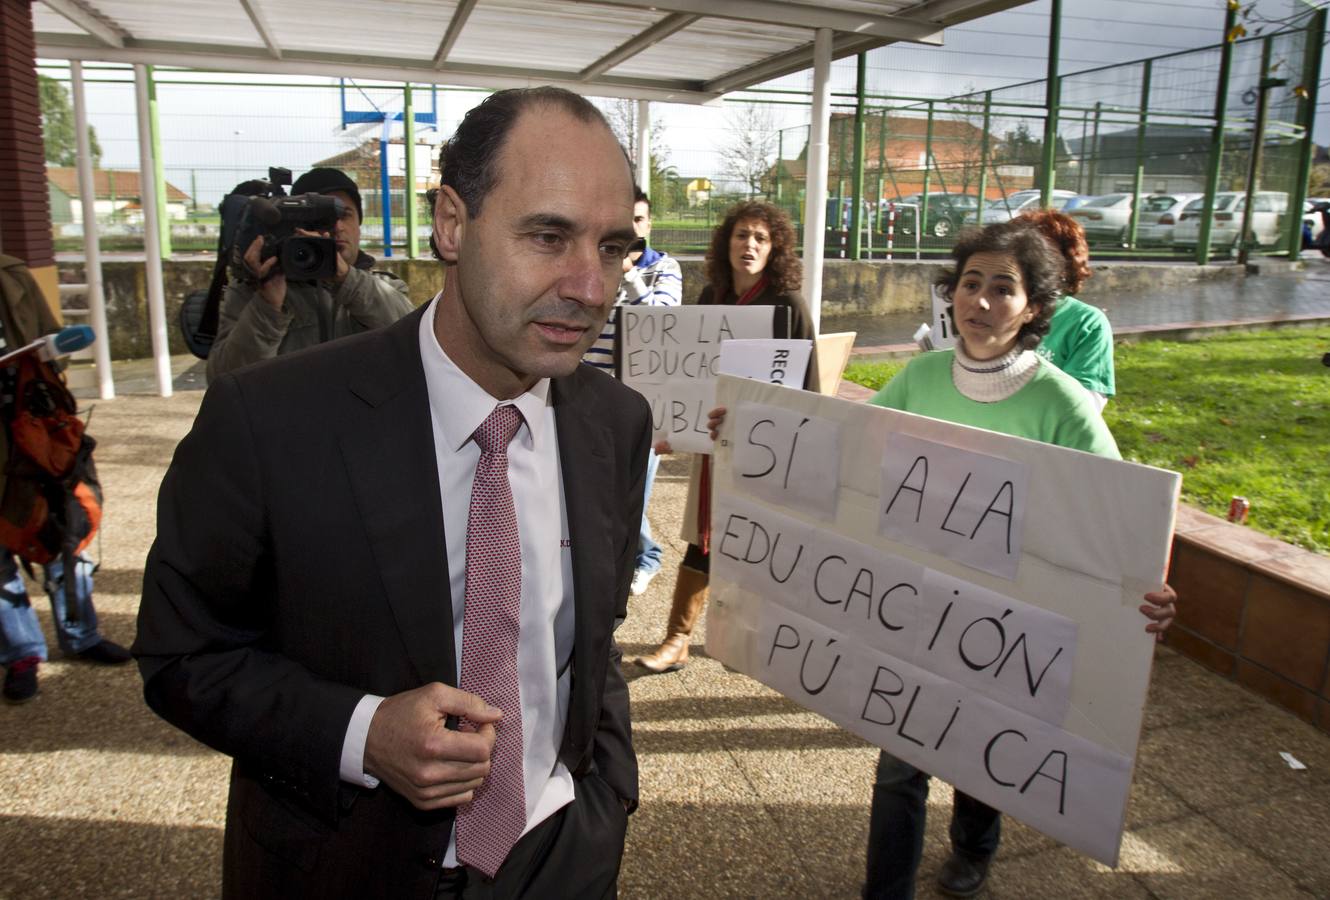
point(773, 361)
point(788, 458)
point(670, 355)
point(1024, 691)
point(944, 335)
point(964, 505)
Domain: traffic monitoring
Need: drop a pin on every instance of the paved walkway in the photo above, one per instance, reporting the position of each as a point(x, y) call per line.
point(743, 793)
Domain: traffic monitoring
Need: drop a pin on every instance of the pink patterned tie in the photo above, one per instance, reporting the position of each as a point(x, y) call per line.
point(491, 823)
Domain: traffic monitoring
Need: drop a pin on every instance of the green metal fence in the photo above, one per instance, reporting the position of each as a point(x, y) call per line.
point(1153, 157)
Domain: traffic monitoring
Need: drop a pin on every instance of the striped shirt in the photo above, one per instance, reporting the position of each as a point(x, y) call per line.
point(655, 280)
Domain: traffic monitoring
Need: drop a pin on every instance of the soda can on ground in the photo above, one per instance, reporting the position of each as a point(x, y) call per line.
point(1237, 510)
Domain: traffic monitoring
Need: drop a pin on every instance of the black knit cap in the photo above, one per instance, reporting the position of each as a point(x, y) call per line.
point(322, 180)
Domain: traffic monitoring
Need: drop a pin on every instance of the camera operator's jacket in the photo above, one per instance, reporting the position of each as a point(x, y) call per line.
point(249, 330)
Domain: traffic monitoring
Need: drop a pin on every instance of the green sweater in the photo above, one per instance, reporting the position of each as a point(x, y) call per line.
point(1080, 343)
point(1052, 407)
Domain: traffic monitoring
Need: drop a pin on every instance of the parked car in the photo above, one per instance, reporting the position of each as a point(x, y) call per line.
point(1105, 219)
point(1312, 219)
point(1004, 209)
point(1159, 214)
point(944, 216)
point(1268, 209)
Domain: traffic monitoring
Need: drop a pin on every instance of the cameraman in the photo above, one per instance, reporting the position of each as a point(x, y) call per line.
point(266, 316)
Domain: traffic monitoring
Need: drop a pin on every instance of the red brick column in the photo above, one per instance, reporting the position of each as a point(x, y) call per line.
point(25, 208)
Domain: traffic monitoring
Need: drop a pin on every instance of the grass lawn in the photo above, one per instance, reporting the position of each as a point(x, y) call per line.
point(1244, 414)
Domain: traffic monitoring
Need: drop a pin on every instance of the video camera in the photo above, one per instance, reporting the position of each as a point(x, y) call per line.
point(263, 209)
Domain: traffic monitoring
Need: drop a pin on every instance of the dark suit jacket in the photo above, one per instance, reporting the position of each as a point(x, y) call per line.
point(300, 563)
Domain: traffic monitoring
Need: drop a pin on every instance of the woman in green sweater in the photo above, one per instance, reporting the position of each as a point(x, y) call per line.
point(1004, 290)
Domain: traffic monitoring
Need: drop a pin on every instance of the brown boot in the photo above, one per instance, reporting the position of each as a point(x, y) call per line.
point(690, 595)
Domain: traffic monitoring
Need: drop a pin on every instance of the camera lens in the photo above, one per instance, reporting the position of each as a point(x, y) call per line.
point(309, 259)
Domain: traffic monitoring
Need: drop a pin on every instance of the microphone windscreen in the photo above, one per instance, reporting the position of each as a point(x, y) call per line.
point(73, 338)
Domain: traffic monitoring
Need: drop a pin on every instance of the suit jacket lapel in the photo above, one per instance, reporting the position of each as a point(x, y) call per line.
point(586, 460)
point(394, 476)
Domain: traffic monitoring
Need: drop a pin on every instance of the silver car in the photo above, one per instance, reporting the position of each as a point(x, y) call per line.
point(1159, 213)
point(1268, 209)
point(1004, 209)
point(1106, 219)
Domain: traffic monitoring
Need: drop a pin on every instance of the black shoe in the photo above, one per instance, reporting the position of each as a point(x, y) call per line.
point(962, 876)
point(105, 653)
point(21, 680)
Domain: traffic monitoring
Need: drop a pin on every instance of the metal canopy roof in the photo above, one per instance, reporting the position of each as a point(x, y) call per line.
point(682, 51)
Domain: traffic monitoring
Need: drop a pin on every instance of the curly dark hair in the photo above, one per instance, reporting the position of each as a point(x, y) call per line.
point(784, 269)
point(1042, 270)
point(1069, 237)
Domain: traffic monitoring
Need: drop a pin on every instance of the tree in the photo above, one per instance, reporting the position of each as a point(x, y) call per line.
point(965, 155)
point(752, 146)
point(622, 116)
point(1319, 183)
point(58, 125)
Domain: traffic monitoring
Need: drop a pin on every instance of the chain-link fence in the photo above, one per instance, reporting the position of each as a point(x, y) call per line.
point(1136, 155)
point(214, 135)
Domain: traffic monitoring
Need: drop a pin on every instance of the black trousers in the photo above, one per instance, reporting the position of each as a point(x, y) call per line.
point(575, 853)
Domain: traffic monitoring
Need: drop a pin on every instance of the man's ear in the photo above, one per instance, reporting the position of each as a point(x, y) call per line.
point(450, 220)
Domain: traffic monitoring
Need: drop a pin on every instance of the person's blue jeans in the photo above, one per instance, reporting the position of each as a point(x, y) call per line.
point(896, 829)
point(21, 633)
point(648, 551)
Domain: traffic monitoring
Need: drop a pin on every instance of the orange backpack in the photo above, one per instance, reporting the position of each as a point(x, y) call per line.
point(51, 500)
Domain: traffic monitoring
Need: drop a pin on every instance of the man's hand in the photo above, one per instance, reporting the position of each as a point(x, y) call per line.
point(409, 748)
point(272, 285)
point(1160, 608)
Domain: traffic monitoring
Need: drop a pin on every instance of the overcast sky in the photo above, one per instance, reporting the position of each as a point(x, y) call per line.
point(216, 136)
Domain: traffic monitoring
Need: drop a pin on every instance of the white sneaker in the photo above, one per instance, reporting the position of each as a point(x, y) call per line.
point(641, 578)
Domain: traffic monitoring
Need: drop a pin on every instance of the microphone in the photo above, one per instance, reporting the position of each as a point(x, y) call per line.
point(70, 339)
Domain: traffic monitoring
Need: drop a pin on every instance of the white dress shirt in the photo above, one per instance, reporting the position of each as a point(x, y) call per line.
point(458, 406)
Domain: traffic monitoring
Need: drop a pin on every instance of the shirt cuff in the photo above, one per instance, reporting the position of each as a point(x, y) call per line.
point(353, 745)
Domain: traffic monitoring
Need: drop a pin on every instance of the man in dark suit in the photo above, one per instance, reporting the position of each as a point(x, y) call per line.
point(388, 569)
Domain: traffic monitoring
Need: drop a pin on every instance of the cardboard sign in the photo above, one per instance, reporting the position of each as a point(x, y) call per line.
point(1008, 657)
point(671, 355)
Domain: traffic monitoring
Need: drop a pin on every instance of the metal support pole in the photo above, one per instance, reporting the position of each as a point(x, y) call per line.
point(1053, 91)
point(815, 203)
point(158, 173)
point(921, 214)
point(1139, 177)
point(780, 165)
point(983, 158)
point(1247, 241)
point(857, 181)
point(385, 186)
point(152, 250)
point(644, 146)
point(92, 255)
point(1311, 76)
point(1217, 139)
point(409, 194)
point(1094, 152)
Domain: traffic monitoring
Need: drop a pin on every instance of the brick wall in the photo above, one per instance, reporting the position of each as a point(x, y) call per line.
point(25, 214)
